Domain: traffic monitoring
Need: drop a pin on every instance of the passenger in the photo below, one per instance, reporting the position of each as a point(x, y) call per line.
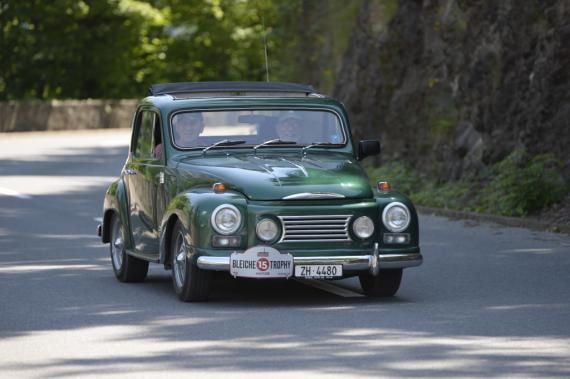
point(187, 128)
point(158, 150)
point(289, 128)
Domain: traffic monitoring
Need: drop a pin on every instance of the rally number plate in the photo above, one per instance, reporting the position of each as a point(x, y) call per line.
point(261, 262)
point(318, 271)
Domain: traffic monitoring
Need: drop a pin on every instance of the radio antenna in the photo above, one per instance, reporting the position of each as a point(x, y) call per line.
point(265, 49)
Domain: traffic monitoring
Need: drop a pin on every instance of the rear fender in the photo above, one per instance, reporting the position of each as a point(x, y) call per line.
point(116, 203)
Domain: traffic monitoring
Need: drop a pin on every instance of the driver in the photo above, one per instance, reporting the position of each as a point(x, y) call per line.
point(289, 127)
point(187, 127)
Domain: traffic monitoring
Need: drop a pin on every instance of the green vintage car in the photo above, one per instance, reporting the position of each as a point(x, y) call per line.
point(260, 180)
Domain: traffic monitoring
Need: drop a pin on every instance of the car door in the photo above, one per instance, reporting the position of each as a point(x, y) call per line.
point(143, 175)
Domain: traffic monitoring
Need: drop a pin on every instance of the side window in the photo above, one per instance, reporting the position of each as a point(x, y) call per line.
point(157, 139)
point(144, 146)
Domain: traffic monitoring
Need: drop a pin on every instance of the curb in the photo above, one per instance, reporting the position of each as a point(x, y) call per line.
point(515, 222)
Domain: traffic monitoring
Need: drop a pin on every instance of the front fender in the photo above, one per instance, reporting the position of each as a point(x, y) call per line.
point(385, 198)
point(193, 209)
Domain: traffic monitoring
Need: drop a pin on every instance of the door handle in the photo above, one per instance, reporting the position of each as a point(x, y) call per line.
point(130, 172)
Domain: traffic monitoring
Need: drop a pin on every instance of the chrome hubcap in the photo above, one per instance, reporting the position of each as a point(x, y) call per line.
point(117, 245)
point(180, 260)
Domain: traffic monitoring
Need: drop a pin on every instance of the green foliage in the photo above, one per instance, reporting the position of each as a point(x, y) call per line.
point(518, 185)
point(213, 40)
point(442, 115)
point(74, 49)
point(522, 184)
point(441, 126)
point(401, 177)
point(307, 39)
point(451, 195)
point(118, 48)
point(421, 189)
point(390, 9)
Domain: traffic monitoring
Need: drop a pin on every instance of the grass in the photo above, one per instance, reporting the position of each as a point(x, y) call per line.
point(519, 185)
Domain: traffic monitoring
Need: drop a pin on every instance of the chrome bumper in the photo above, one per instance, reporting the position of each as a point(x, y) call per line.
point(373, 262)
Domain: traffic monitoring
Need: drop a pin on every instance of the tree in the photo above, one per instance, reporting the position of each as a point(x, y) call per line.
point(75, 49)
point(118, 48)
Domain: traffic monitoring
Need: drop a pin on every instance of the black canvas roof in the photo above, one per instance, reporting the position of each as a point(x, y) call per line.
point(197, 87)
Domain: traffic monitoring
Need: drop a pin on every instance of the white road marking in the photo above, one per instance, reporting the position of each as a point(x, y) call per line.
point(98, 219)
point(10, 192)
point(329, 287)
point(5, 269)
point(39, 185)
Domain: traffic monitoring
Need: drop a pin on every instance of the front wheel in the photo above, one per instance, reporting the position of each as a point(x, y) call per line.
point(190, 282)
point(126, 267)
point(386, 284)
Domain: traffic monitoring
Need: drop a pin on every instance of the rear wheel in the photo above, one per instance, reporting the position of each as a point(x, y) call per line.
point(127, 268)
point(190, 282)
point(386, 284)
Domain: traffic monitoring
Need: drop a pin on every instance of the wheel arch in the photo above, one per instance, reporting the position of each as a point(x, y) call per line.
point(192, 209)
point(107, 217)
point(166, 240)
point(116, 202)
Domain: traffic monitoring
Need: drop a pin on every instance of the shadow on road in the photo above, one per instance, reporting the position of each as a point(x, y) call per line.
point(467, 312)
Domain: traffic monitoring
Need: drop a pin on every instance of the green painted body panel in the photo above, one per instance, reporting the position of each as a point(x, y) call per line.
point(116, 203)
point(257, 184)
point(273, 175)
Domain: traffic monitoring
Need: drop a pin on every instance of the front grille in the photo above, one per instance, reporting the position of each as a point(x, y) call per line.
point(315, 228)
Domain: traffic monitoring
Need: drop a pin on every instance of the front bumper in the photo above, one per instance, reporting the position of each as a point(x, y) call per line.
point(373, 262)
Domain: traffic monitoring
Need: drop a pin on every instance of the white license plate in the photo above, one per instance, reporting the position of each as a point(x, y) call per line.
point(318, 271)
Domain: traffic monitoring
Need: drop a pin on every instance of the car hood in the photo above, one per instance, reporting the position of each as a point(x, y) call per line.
point(275, 177)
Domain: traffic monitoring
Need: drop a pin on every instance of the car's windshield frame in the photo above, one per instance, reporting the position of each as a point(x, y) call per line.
point(340, 120)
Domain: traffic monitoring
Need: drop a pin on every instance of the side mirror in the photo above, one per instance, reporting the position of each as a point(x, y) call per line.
point(367, 148)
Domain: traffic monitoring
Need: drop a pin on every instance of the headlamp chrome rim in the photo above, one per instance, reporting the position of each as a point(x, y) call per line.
point(258, 233)
point(215, 213)
point(387, 224)
point(371, 232)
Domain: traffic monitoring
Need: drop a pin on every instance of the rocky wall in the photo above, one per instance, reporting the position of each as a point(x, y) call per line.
point(454, 86)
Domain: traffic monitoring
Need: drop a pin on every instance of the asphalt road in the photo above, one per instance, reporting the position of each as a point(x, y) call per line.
point(489, 301)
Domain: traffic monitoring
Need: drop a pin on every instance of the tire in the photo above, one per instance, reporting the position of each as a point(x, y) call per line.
point(126, 267)
point(386, 284)
point(190, 283)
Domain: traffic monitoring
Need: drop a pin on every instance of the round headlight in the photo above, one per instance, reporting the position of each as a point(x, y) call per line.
point(363, 227)
point(226, 219)
point(396, 217)
point(267, 230)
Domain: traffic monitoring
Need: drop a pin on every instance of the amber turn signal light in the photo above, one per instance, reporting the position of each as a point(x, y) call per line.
point(219, 188)
point(384, 186)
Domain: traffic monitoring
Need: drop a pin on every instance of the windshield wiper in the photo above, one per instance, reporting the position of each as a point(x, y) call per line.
point(315, 144)
point(225, 142)
point(274, 142)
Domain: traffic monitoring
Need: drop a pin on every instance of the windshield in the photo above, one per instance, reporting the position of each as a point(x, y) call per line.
point(303, 127)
